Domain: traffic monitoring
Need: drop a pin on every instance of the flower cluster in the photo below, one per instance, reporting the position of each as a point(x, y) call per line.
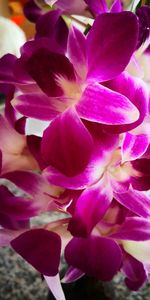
point(86, 92)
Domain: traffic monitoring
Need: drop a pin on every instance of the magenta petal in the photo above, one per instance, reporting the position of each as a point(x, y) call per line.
point(40, 248)
point(107, 47)
point(100, 104)
point(119, 186)
point(96, 256)
point(116, 6)
point(134, 146)
point(29, 182)
point(36, 105)
point(34, 185)
point(0, 161)
point(7, 63)
point(134, 228)
point(134, 271)
point(78, 182)
point(90, 208)
point(17, 208)
point(136, 91)
point(135, 201)
point(67, 144)
point(77, 51)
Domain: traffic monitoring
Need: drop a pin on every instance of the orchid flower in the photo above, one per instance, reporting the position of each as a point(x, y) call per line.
point(76, 82)
point(85, 6)
point(101, 175)
point(92, 253)
point(117, 233)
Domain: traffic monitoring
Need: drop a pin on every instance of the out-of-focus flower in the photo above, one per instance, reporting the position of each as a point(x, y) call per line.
point(12, 37)
point(143, 14)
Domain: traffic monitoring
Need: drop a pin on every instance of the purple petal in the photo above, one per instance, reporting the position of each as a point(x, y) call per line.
point(35, 186)
point(96, 256)
point(34, 145)
point(9, 113)
point(32, 11)
point(100, 104)
point(77, 51)
point(134, 228)
point(135, 201)
point(142, 165)
point(16, 207)
point(97, 7)
point(72, 275)
point(134, 146)
point(52, 26)
point(40, 248)
point(108, 31)
point(0, 161)
point(141, 183)
point(143, 14)
point(141, 180)
point(55, 287)
point(9, 222)
point(20, 125)
point(134, 271)
point(67, 144)
point(7, 63)
point(74, 7)
point(103, 141)
point(90, 208)
point(36, 105)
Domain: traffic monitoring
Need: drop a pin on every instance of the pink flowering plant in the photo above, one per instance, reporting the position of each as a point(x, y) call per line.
point(89, 160)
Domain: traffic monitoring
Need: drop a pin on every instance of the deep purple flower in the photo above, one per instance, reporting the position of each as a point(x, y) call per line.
point(32, 11)
point(143, 14)
point(15, 211)
point(41, 248)
point(96, 256)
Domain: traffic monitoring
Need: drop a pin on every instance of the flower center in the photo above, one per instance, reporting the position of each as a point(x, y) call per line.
point(120, 171)
point(72, 90)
